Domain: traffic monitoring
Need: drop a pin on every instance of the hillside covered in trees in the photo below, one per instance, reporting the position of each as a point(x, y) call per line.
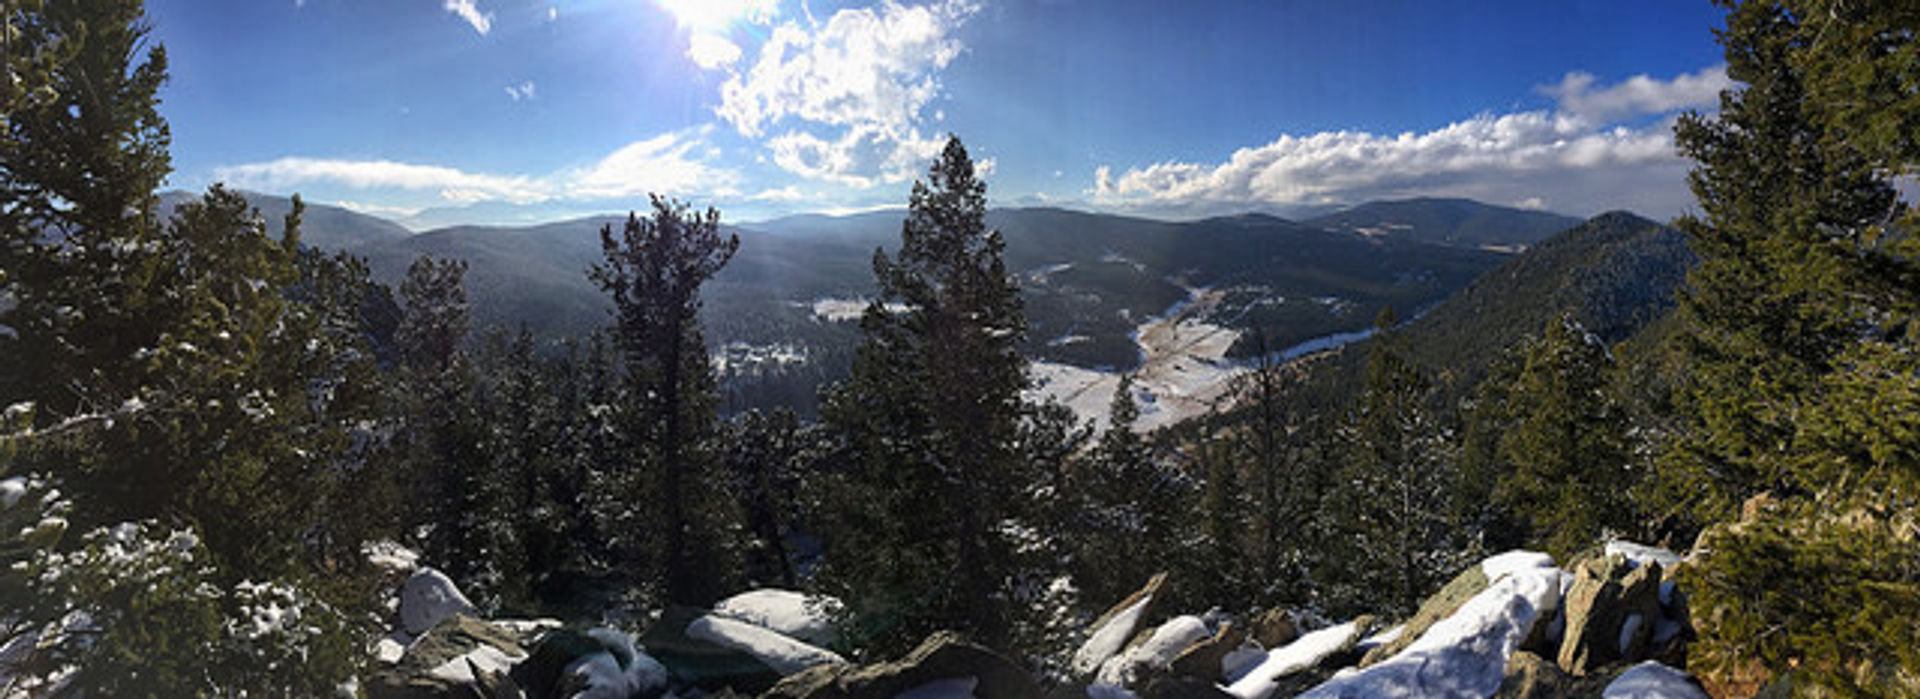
point(232, 464)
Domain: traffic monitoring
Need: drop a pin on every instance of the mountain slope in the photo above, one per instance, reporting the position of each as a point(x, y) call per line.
point(1454, 222)
point(1616, 273)
point(329, 228)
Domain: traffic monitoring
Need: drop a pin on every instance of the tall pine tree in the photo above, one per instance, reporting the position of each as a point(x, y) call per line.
point(653, 271)
point(931, 468)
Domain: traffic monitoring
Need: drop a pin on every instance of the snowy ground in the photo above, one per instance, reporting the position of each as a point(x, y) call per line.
point(1183, 369)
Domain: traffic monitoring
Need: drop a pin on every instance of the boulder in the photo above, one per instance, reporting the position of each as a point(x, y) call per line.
point(1612, 610)
point(1153, 656)
point(792, 614)
point(596, 664)
point(1110, 632)
point(1206, 660)
point(1275, 628)
point(460, 657)
point(1530, 676)
point(1287, 669)
point(1439, 606)
point(701, 662)
point(428, 598)
point(1651, 680)
point(942, 656)
point(1466, 653)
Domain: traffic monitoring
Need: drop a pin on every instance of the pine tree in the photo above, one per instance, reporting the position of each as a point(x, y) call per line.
point(1388, 504)
point(1131, 502)
point(1563, 452)
point(653, 271)
point(1800, 333)
point(931, 469)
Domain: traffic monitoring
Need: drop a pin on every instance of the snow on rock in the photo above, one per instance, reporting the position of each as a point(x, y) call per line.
point(618, 672)
point(1515, 561)
point(1239, 661)
point(1652, 680)
point(11, 490)
point(390, 556)
point(951, 688)
point(1305, 652)
point(1177, 634)
point(1464, 655)
point(1642, 554)
point(1106, 641)
point(389, 649)
point(793, 614)
point(460, 670)
point(785, 655)
point(428, 598)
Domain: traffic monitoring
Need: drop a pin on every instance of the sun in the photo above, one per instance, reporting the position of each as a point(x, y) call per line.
point(709, 15)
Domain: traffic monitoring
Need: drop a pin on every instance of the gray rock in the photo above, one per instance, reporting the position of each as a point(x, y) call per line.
point(1440, 605)
point(1611, 611)
point(428, 598)
point(1202, 661)
point(413, 677)
point(941, 656)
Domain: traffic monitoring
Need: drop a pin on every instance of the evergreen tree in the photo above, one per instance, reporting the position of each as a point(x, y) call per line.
point(83, 153)
point(764, 451)
point(1563, 451)
point(1801, 336)
point(653, 271)
point(1131, 504)
point(435, 313)
point(1388, 505)
point(931, 470)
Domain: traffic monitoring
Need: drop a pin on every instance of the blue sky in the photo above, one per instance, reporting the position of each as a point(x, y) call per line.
point(434, 112)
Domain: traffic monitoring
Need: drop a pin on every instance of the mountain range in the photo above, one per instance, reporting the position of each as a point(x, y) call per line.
point(1090, 280)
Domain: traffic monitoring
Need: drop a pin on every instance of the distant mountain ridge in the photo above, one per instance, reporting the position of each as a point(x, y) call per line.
point(1452, 222)
point(322, 226)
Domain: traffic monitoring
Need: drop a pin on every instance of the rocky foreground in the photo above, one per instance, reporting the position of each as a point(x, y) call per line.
point(1609, 624)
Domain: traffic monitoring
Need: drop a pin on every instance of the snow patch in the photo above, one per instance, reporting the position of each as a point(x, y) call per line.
point(1464, 655)
point(428, 598)
point(1176, 635)
point(618, 672)
point(1107, 640)
point(1304, 652)
point(785, 655)
point(1652, 680)
point(1642, 554)
point(484, 658)
point(792, 614)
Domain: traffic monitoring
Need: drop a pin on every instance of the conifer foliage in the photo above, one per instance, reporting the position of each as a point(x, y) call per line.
point(653, 271)
point(931, 478)
point(1801, 335)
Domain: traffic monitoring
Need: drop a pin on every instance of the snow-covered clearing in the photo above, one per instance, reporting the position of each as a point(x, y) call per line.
point(1183, 369)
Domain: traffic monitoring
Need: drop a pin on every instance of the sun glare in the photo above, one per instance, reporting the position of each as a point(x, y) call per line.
point(715, 14)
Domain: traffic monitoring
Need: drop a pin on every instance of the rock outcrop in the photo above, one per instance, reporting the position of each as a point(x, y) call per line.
point(942, 657)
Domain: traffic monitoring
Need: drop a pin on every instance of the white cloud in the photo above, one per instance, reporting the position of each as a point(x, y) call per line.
point(985, 166)
point(711, 52)
point(675, 163)
point(656, 165)
point(466, 9)
point(522, 91)
point(1564, 156)
point(850, 93)
point(862, 156)
point(1638, 95)
point(553, 12)
point(787, 194)
point(287, 173)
